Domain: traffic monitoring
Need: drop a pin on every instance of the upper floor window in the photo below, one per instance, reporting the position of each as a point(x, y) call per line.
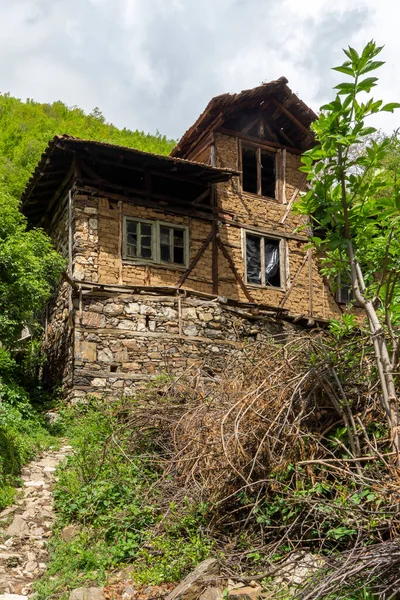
point(258, 167)
point(263, 260)
point(154, 241)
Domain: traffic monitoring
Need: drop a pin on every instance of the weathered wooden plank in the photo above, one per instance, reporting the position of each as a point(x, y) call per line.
point(234, 270)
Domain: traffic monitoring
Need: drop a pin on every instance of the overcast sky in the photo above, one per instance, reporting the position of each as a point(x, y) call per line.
point(154, 64)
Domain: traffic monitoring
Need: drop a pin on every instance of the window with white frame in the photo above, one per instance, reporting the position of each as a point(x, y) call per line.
point(263, 260)
point(155, 241)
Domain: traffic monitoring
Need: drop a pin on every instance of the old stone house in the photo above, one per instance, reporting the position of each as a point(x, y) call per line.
point(176, 261)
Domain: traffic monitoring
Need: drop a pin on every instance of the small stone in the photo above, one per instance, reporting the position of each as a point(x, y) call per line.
point(190, 330)
point(31, 566)
point(211, 593)
point(35, 484)
point(49, 470)
point(113, 309)
point(105, 355)
point(18, 527)
point(129, 590)
point(69, 532)
point(245, 593)
point(91, 593)
point(12, 597)
point(125, 324)
point(7, 511)
point(132, 308)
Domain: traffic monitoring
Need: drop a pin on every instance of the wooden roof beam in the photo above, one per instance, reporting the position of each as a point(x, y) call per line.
point(303, 128)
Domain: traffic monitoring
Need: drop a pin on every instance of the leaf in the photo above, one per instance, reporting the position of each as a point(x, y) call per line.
point(367, 84)
point(371, 66)
point(390, 107)
point(345, 88)
point(344, 69)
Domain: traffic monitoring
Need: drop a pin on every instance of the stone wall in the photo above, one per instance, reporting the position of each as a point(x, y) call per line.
point(122, 340)
point(58, 342)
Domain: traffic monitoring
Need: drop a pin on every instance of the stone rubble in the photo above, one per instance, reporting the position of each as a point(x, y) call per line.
point(26, 526)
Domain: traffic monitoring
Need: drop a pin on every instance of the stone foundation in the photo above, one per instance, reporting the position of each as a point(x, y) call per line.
point(121, 339)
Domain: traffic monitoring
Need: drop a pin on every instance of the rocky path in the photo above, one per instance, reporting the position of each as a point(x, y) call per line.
point(26, 526)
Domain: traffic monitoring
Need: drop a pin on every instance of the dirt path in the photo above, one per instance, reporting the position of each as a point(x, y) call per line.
point(26, 526)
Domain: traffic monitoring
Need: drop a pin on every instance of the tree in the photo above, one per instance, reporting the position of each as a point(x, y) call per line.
point(29, 270)
point(354, 202)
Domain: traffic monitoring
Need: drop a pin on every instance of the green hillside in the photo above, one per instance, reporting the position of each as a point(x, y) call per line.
point(26, 128)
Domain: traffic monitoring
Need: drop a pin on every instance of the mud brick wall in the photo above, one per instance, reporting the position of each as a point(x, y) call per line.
point(123, 340)
point(265, 216)
point(114, 269)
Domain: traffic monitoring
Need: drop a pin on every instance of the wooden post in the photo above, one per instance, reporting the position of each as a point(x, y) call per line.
point(70, 233)
point(310, 283)
point(259, 172)
point(120, 241)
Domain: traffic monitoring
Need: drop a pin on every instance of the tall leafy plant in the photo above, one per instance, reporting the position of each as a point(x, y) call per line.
point(354, 202)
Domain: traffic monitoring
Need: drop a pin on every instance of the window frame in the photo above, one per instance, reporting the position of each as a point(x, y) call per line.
point(280, 170)
point(283, 253)
point(155, 245)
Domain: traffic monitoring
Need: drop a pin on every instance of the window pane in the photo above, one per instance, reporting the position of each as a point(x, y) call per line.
point(267, 174)
point(131, 250)
point(178, 238)
point(165, 253)
point(132, 238)
point(164, 235)
point(253, 259)
point(146, 252)
point(131, 227)
point(179, 256)
point(145, 229)
point(272, 264)
point(249, 166)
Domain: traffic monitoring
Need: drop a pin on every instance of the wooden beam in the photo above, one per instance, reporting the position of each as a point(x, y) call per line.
point(293, 198)
point(303, 128)
point(207, 142)
point(144, 193)
point(196, 259)
point(292, 285)
point(214, 259)
point(234, 270)
point(135, 200)
point(261, 143)
point(273, 232)
point(217, 121)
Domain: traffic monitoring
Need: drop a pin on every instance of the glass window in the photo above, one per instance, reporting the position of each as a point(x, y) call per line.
point(139, 240)
point(158, 242)
point(258, 171)
point(263, 260)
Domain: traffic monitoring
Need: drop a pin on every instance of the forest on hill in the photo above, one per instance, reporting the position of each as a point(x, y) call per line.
point(27, 127)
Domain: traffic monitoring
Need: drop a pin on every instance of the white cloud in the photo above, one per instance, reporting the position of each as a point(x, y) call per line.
point(155, 64)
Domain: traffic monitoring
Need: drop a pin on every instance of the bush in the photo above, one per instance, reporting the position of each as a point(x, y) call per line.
point(22, 435)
